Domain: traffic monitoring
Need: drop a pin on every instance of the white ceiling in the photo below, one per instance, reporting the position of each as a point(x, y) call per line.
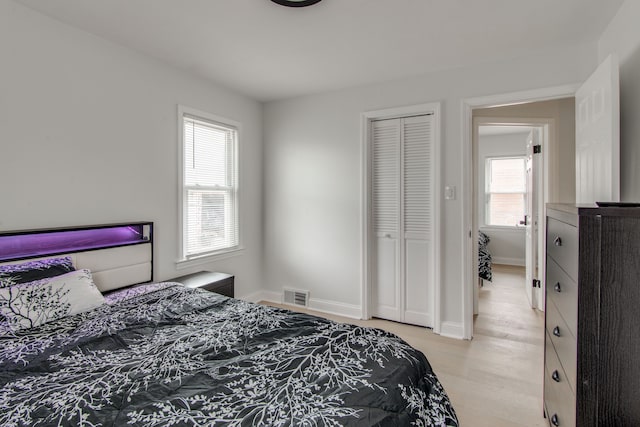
point(269, 52)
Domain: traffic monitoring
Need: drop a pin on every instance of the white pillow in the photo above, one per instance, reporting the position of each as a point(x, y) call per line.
point(31, 304)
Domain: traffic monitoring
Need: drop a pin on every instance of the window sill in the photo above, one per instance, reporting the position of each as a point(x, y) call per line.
point(204, 259)
point(503, 228)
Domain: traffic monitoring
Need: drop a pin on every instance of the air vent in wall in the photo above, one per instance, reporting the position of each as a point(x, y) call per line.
point(296, 297)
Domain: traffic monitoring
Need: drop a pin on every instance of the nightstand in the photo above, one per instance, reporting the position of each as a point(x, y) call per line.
point(221, 283)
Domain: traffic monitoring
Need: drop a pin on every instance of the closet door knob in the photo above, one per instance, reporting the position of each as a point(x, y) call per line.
point(554, 420)
point(556, 331)
point(557, 287)
point(556, 376)
point(557, 241)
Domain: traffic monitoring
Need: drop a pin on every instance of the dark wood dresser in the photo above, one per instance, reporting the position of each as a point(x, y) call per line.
point(592, 346)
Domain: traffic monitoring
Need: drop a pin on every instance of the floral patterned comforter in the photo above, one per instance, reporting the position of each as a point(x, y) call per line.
point(484, 257)
point(163, 354)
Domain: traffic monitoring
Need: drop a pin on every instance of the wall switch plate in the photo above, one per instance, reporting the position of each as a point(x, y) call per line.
point(450, 192)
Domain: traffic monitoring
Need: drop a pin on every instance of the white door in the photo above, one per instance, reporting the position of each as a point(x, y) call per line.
point(598, 136)
point(417, 220)
point(529, 249)
point(531, 218)
point(402, 206)
point(385, 192)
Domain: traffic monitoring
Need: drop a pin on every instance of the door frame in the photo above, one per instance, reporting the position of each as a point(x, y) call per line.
point(365, 201)
point(547, 127)
point(467, 190)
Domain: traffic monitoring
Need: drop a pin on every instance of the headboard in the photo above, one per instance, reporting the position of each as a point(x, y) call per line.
point(118, 255)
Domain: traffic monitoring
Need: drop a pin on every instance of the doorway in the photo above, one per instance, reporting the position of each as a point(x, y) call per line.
point(555, 118)
point(510, 196)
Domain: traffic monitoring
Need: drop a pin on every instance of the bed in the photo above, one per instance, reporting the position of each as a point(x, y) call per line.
point(121, 349)
point(484, 258)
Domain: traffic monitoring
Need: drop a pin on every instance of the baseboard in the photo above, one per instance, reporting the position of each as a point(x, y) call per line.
point(352, 311)
point(268, 296)
point(324, 306)
point(338, 308)
point(507, 261)
point(452, 330)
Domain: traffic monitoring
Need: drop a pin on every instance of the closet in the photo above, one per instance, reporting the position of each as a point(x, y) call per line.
point(402, 180)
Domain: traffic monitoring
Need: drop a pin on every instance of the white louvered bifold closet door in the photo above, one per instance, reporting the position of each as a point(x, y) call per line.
point(402, 204)
point(417, 224)
point(386, 296)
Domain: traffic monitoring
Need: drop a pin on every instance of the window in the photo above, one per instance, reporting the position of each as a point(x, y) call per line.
point(506, 191)
point(209, 185)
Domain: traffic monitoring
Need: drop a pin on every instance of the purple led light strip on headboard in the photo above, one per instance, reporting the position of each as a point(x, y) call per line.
point(27, 244)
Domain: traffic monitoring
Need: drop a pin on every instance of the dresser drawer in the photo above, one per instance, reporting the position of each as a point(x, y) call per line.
point(559, 399)
point(559, 403)
point(564, 343)
point(563, 291)
point(562, 246)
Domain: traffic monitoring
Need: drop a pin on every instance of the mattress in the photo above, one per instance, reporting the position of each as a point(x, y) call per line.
point(163, 354)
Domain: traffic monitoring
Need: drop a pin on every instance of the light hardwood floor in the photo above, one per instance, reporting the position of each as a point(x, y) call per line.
point(496, 378)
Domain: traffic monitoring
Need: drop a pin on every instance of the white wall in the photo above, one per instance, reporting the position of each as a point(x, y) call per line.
point(506, 246)
point(562, 158)
point(88, 135)
point(313, 171)
point(88, 129)
point(622, 36)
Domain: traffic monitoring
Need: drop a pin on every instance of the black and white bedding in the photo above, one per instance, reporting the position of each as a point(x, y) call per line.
point(163, 354)
point(484, 257)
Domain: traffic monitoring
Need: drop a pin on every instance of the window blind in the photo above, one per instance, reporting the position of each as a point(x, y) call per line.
point(210, 212)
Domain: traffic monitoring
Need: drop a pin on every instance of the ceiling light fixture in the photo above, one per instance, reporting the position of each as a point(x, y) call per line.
point(296, 3)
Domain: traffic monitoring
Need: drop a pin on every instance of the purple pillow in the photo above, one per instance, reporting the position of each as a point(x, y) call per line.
point(13, 274)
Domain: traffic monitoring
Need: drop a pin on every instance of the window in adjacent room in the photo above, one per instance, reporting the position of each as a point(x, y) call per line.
point(209, 184)
point(505, 191)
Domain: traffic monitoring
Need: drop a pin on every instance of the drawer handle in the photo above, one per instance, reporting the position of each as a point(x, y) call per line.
point(557, 241)
point(554, 420)
point(557, 287)
point(556, 331)
point(556, 376)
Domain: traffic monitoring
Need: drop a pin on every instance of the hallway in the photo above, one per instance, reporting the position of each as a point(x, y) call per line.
point(511, 336)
